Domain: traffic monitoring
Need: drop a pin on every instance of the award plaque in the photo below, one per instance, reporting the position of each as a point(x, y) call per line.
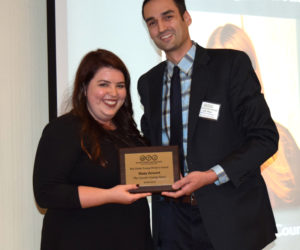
point(155, 169)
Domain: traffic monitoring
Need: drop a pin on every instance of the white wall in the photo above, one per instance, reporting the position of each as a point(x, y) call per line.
point(23, 114)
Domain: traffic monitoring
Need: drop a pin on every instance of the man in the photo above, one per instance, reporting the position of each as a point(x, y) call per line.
point(226, 134)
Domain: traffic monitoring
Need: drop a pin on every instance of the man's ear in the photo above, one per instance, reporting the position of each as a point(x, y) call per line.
point(187, 18)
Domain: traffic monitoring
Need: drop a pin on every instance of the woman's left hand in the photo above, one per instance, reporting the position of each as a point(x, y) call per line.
point(121, 194)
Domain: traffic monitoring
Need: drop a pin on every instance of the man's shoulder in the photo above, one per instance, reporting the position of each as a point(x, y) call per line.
point(219, 56)
point(156, 70)
point(213, 52)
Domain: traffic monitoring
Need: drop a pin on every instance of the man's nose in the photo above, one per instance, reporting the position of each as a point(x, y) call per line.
point(161, 26)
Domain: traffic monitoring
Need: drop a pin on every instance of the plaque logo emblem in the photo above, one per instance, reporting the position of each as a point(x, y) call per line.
point(148, 157)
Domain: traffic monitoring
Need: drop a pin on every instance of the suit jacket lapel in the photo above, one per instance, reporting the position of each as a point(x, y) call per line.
point(156, 81)
point(199, 86)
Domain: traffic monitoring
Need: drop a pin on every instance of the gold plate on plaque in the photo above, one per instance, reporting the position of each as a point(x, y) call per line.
point(154, 168)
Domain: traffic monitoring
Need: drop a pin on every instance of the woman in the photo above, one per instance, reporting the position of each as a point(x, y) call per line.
point(76, 172)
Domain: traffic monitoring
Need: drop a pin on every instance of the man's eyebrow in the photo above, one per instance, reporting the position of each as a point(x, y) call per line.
point(149, 19)
point(167, 12)
point(163, 14)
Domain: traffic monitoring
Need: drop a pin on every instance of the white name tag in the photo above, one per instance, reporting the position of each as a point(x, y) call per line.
point(209, 110)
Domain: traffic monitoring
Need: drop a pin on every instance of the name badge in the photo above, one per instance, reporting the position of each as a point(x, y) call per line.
point(210, 110)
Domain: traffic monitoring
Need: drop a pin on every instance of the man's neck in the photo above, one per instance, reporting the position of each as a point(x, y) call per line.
point(176, 55)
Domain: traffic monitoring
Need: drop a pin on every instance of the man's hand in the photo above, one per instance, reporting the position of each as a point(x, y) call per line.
point(191, 182)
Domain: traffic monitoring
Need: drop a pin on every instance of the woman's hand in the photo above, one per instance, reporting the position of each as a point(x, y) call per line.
point(92, 196)
point(120, 194)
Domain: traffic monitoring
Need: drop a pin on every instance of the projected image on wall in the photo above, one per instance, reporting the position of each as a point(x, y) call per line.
point(271, 44)
point(232, 31)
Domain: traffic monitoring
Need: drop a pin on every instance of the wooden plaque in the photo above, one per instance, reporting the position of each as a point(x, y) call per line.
point(154, 168)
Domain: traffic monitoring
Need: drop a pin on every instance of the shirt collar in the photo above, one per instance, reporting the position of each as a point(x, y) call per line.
point(186, 63)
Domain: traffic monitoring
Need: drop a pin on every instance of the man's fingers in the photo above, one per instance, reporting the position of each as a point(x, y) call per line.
point(173, 194)
point(178, 184)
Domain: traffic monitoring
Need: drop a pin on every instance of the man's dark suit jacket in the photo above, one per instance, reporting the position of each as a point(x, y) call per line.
point(237, 214)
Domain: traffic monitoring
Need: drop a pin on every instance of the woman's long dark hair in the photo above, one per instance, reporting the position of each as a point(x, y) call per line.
point(91, 131)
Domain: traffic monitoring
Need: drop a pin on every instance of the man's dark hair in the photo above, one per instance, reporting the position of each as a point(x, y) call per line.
point(179, 3)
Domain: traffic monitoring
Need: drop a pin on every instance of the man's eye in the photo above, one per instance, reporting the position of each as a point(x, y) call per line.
point(151, 24)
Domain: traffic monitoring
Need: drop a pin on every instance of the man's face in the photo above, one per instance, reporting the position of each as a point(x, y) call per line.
point(167, 28)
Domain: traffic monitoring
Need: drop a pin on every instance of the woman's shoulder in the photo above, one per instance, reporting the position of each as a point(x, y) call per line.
point(63, 125)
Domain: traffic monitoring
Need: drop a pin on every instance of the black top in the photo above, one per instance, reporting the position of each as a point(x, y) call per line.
point(60, 167)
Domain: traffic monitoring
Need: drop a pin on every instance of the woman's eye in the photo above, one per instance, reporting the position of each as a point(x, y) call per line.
point(103, 84)
point(121, 86)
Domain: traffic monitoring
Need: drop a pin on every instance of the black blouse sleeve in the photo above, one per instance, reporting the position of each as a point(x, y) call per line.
point(56, 156)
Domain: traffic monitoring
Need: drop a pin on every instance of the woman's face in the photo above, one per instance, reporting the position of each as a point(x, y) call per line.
point(105, 94)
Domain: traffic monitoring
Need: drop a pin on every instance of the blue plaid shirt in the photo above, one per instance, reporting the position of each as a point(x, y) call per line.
point(186, 67)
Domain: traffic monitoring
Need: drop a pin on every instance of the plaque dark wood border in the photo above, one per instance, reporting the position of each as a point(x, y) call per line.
point(151, 149)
